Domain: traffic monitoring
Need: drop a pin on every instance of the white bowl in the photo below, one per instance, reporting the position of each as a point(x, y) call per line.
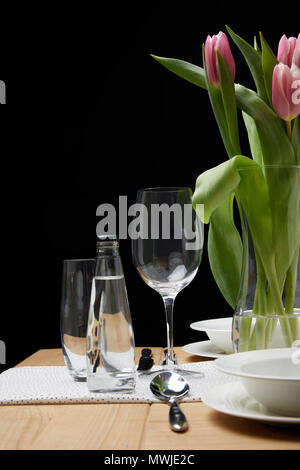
point(271, 376)
point(219, 332)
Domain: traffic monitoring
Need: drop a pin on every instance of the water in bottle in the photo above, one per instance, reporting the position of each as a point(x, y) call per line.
point(110, 337)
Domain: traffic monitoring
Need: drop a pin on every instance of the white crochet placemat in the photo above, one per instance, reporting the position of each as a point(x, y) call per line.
point(53, 384)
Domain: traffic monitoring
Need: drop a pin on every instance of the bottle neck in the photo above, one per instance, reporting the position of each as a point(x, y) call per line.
point(108, 259)
point(107, 248)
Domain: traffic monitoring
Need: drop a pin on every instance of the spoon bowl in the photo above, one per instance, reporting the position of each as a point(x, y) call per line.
point(171, 387)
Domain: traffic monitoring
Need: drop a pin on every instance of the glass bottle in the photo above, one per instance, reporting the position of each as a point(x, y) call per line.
point(110, 337)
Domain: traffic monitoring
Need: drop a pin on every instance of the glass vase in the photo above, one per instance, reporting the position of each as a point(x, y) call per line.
point(267, 313)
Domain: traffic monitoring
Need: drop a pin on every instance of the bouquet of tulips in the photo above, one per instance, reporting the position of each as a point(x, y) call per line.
point(269, 199)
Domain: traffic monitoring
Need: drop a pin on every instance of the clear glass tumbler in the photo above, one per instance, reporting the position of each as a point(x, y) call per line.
point(77, 279)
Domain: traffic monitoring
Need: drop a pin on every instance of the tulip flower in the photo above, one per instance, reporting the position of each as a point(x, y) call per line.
point(286, 48)
point(284, 84)
point(296, 58)
point(213, 44)
point(273, 143)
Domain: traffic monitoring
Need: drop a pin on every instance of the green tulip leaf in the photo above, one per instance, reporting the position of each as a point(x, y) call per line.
point(275, 144)
point(253, 59)
point(229, 102)
point(225, 251)
point(244, 177)
point(276, 147)
point(296, 139)
point(189, 72)
point(253, 138)
point(268, 63)
point(217, 184)
point(284, 192)
point(256, 46)
point(217, 105)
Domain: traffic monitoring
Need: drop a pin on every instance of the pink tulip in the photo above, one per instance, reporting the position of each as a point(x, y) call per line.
point(285, 94)
point(217, 43)
point(286, 48)
point(296, 58)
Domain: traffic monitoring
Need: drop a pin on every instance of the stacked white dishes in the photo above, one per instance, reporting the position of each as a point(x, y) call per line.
point(267, 386)
point(219, 344)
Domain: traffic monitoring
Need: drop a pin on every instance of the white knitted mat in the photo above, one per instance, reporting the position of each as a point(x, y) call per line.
point(53, 384)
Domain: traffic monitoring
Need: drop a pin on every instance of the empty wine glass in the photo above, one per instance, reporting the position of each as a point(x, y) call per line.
point(167, 243)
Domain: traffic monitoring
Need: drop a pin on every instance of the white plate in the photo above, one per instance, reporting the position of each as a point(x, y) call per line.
point(271, 376)
point(204, 348)
point(218, 330)
point(232, 399)
point(219, 324)
point(280, 364)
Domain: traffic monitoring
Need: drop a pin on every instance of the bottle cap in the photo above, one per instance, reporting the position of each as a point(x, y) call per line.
point(107, 241)
point(105, 237)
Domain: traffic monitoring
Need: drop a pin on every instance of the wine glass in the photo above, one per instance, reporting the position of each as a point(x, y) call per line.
point(167, 243)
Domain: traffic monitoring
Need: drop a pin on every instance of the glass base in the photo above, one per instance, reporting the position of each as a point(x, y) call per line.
point(111, 382)
point(78, 378)
point(174, 368)
point(188, 373)
point(168, 358)
point(168, 365)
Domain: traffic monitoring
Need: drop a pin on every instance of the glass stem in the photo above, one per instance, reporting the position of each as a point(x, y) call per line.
point(169, 303)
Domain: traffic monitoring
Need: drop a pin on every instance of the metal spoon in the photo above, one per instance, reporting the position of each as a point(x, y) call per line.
point(169, 386)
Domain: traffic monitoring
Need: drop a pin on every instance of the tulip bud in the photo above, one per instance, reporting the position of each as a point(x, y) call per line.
point(286, 48)
point(285, 85)
point(296, 58)
point(213, 44)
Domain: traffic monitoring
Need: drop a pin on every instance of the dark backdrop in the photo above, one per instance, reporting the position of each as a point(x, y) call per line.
point(91, 116)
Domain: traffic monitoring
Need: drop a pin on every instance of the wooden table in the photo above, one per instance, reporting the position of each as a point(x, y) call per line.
point(131, 426)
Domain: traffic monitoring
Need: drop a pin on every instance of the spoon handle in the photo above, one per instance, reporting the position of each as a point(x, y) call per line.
point(177, 419)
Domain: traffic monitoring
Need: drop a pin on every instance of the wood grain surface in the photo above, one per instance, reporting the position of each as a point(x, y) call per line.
point(131, 426)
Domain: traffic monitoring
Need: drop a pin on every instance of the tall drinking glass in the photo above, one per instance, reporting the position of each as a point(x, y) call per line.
point(167, 243)
point(77, 279)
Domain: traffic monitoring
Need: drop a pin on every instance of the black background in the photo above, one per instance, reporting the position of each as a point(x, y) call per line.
point(91, 116)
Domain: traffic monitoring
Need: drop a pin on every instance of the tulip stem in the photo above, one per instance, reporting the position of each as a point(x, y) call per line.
point(289, 128)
